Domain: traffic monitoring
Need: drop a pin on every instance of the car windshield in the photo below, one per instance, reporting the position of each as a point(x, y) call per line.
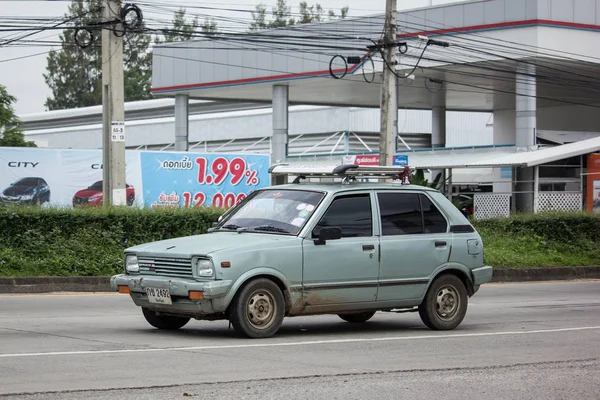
point(31, 182)
point(96, 186)
point(276, 211)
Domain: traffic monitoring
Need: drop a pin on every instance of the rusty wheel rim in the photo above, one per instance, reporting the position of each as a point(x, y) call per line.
point(260, 309)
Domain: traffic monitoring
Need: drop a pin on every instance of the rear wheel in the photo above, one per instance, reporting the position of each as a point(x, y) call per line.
point(130, 199)
point(445, 303)
point(258, 309)
point(166, 322)
point(357, 318)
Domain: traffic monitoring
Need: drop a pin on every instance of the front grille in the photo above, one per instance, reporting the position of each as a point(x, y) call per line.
point(176, 267)
point(79, 200)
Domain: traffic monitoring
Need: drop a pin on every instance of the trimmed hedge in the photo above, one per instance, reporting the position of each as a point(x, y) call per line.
point(86, 242)
point(90, 241)
point(542, 240)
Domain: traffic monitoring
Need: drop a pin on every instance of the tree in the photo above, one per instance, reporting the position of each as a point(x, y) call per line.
point(183, 30)
point(282, 15)
point(259, 18)
point(209, 27)
point(137, 61)
point(74, 74)
point(10, 125)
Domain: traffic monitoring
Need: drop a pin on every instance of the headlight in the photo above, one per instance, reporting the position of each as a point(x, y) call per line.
point(205, 267)
point(131, 263)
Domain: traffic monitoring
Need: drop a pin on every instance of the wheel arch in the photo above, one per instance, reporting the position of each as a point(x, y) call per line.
point(458, 270)
point(267, 273)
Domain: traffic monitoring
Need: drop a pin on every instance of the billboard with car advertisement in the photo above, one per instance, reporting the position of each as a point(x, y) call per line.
point(57, 177)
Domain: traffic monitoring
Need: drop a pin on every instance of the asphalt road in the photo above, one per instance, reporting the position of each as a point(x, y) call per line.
point(518, 341)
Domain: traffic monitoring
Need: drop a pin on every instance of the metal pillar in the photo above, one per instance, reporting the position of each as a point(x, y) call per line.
point(438, 127)
point(182, 132)
point(536, 188)
point(279, 143)
point(525, 136)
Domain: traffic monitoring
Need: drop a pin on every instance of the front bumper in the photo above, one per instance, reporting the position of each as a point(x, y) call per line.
point(179, 288)
point(482, 275)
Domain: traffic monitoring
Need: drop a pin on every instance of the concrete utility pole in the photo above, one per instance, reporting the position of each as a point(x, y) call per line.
point(389, 105)
point(113, 109)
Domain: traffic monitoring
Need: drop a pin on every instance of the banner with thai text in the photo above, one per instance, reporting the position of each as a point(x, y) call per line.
point(206, 179)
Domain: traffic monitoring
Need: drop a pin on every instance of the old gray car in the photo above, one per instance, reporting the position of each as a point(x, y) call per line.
point(347, 248)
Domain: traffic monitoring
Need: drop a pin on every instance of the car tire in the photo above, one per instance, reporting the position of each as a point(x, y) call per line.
point(258, 309)
point(165, 322)
point(357, 318)
point(445, 303)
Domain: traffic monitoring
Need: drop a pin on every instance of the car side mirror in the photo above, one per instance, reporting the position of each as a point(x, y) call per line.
point(332, 233)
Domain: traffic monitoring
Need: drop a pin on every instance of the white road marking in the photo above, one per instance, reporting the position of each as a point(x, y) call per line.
point(304, 343)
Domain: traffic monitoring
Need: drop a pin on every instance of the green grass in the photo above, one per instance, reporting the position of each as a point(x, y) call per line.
point(90, 242)
point(525, 251)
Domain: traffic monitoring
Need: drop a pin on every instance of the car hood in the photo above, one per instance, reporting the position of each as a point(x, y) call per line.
point(86, 193)
point(18, 190)
point(208, 243)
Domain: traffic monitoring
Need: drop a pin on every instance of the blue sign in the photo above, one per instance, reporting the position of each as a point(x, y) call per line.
point(201, 179)
point(505, 173)
point(401, 161)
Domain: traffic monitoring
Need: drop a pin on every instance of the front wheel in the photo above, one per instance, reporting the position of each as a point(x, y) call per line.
point(258, 309)
point(166, 322)
point(445, 303)
point(357, 318)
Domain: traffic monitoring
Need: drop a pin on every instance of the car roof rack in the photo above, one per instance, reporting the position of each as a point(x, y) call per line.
point(346, 171)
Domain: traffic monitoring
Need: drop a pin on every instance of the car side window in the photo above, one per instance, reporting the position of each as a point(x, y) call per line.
point(351, 213)
point(400, 214)
point(433, 220)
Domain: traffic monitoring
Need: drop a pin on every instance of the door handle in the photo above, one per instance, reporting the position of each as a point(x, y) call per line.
point(368, 247)
point(440, 243)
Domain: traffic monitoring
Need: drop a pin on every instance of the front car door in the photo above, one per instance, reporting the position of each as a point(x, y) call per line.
point(414, 242)
point(343, 271)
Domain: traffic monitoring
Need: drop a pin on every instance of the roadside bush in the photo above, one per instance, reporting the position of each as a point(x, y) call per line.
point(90, 241)
point(536, 240)
point(85, 242)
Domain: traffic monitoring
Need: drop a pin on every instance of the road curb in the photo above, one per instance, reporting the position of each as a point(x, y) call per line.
point(46, 284)
point(545, 274)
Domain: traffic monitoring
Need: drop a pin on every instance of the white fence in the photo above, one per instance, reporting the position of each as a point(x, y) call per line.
point(559, 201)
point(491, 205)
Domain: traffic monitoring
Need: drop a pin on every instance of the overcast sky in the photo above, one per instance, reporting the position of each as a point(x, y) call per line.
point(23, 77)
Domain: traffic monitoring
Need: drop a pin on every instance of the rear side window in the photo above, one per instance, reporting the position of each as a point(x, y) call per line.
point(433, 220)
point(350, 213)
point(409, 214)
point(400, 214)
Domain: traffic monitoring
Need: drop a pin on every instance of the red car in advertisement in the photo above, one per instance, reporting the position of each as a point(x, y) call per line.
point(92, 196)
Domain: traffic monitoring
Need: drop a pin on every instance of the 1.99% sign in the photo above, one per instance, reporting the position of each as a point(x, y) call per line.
point(216, 173)
point(221, 168)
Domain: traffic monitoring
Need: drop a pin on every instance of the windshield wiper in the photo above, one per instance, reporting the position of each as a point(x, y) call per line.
point(269, 228)
point(230, 226)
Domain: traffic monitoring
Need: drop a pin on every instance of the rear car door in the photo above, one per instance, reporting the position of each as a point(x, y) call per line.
point(414, 242)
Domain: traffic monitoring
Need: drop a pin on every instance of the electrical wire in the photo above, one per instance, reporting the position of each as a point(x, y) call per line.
point(274, 41)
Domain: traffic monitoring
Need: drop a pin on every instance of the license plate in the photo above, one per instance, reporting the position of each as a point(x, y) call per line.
point(158, 296)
